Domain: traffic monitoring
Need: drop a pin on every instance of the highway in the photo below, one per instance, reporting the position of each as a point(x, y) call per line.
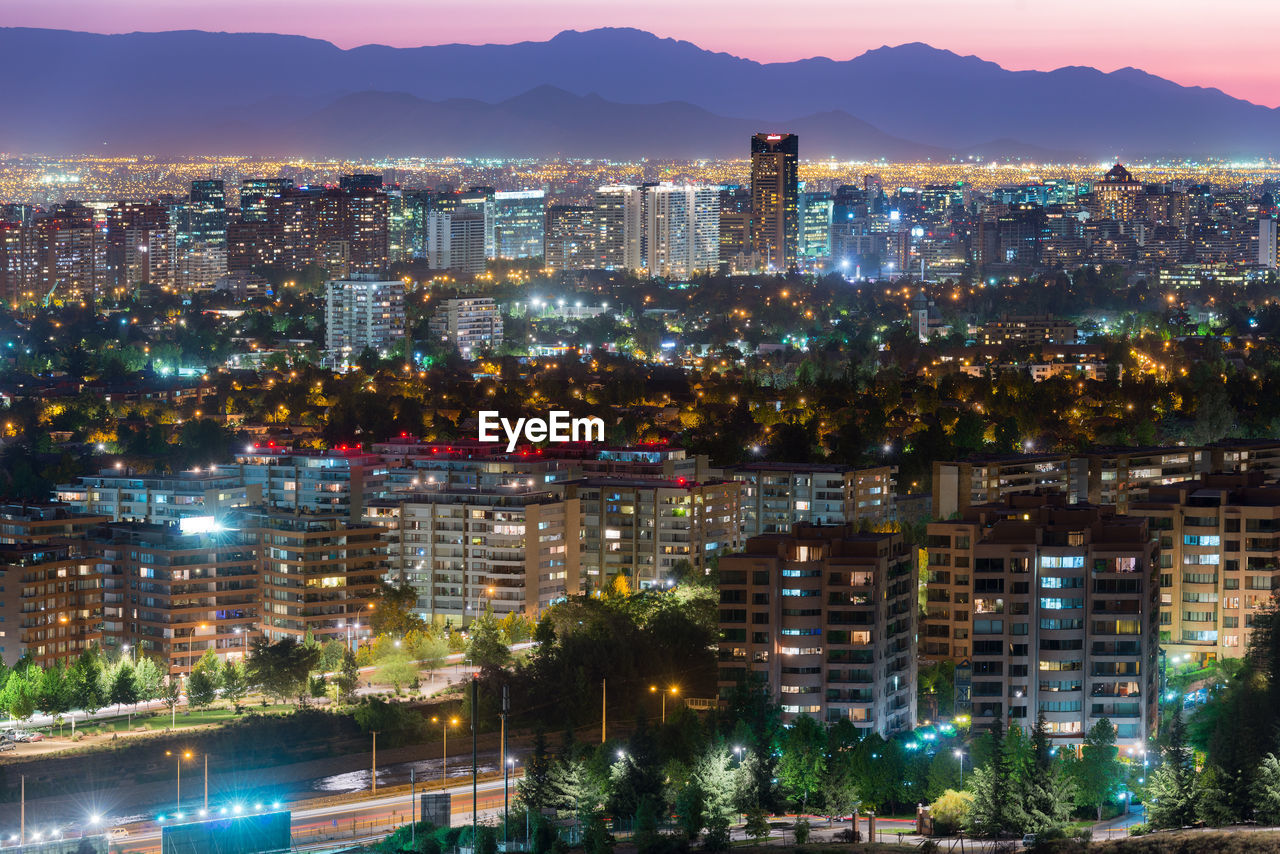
point(326, 825)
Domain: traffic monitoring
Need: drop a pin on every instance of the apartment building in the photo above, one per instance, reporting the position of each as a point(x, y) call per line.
point(512, 548)
point(826, 618)
point(1220, 559)
point(122, 496)
point(320, 573)
point(172, 593)
point(776, 496)
point(51, 602)
point(473, 325)
point(341, 480)
point(1119, 477)
point(37, 524)
point(643, 527)
point(980, 480)
point(1050, 607)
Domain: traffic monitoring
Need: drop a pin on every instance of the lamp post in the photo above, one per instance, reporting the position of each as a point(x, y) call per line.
point(178, 757)
point(653, 689)
point(444, 751)
point(960, 755)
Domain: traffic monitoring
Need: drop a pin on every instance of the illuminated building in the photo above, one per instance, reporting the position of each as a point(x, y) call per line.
point(471, 324)
point(455, 240)
point(1117, 195)
point(52, 603)
point(174, 593)
point(123, 496)
point(643, 527)
point(519, 223)
point(681, 230)
point(257, 195)
point(777, 496)
point(1054, 608)
point(619, 218)
point(320, 573)
point(363, 312)
point(139, 250)
point(340, 480)
point(482, 200)
point(571, 237)
point(774, 198)
point(826, 619)
point(514, 549)
point(815, 211)
point(1267, 243)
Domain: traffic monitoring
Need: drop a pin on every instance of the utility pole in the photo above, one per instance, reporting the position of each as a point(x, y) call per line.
point(502, 752)
point(604, 708)
point(413, 810)
point(206, 783)
point(374, 770)
point(22, 821)
point(475, 752)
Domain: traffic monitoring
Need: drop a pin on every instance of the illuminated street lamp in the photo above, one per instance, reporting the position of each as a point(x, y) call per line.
point(653, 689)
point(444, 750)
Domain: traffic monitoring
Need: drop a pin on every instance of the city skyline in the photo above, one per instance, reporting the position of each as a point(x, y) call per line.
point(1178, 42)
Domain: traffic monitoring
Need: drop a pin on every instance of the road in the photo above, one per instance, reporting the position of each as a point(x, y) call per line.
point(349, 821)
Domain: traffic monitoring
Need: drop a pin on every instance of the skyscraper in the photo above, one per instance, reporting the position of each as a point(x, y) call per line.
point(1267, 243)
point(682, 230)
point(775, 161)
point(519, 219)
point(363, 312)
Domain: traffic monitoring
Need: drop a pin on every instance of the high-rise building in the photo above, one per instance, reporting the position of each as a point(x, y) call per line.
point(320, 573)
point(775, 173)
point(571, 234)
point(815, 226)
point(257, 195)
point(471, 324)
point(139, 249)
point(363, 312)
point(338, 481)
point(643, 527)
point(1054, 608)
point(455, 239)
point(123, 496)
point(173, 592)
point(38, 524)
point(777, 496)
point(512, 548)
point(483, 201)
point(1218, 560)
point(619, 218)
point(519, 223)
point(682, 225)
point(1117, 195)
point(826, 619)
point(57, 590)
point(1267, 243)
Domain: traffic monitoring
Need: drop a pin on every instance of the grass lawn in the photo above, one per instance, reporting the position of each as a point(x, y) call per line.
point(159, 721)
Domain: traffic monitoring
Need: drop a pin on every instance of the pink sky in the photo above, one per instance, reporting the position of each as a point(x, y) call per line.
point(1225, 44)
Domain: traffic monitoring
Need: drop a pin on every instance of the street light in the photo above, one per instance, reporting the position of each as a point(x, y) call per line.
point(653, 689)
point(960, 755)
point(444, 750)
point(178, 757)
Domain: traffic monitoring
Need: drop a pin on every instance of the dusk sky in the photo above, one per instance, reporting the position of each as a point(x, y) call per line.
point(1227, 44)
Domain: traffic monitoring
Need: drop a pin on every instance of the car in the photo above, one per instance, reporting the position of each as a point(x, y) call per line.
point(1029, 840)
point(115, 834)
point(7, 744)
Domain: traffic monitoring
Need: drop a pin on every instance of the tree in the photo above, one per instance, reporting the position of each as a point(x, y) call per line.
point(535, 787)
point(393, 612)
point(757, 826)
point(1098, 771)
point(18, 698)
point(86, 682)
point(803, 759)
point(1266, 791)
point(714, 777)
point(149, 679)
point(202, 691)
point(575, 792)
point(1047, 791)
point(951, 811)
point(124, 686)
point(235, 684)
point(282, 668)
point(348, 678)
point(55, 690)
point(170, 694)
point(995, 808)
point(1212, 801)
point(486, 648)
point(397, 668)
point(1170, 801)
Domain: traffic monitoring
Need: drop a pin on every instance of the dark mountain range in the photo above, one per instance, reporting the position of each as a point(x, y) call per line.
point(614, 92)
